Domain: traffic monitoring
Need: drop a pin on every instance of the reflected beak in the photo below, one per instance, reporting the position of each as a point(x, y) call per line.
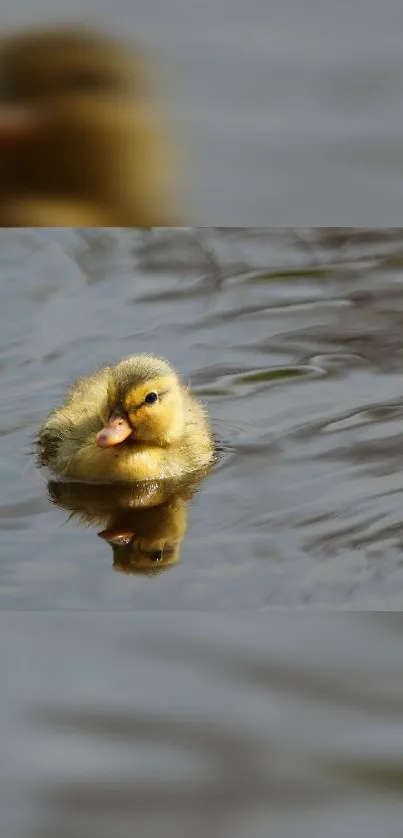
point(115, 432)
point(116, 537)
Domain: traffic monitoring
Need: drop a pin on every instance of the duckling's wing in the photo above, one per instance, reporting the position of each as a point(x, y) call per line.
point(48, 445)
point(68, 427)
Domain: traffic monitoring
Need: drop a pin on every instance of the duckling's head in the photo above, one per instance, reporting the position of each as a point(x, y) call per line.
point(145, 404)
point(38, 65)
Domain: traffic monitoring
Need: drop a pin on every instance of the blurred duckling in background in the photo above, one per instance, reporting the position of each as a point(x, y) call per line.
point(144, 529)
point(81, 139)
point(131, 422)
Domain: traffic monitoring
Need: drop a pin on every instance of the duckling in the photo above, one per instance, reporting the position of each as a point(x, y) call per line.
point(81, 139)
point(131, 422)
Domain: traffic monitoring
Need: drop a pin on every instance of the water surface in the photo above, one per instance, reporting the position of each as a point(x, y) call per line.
point(287, 725)
point(293, 339)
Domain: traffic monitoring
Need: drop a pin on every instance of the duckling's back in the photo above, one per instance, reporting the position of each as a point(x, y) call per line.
point(197, 445)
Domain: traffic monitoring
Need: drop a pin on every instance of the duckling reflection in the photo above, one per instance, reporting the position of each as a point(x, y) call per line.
point(151, 541)
point(81, 137)
point(144, 524)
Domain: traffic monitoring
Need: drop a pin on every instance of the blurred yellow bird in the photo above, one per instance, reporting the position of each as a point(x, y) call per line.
point(82, 140)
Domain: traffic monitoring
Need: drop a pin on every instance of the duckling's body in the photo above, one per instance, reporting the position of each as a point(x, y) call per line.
point(134, 421)
point(81, 138)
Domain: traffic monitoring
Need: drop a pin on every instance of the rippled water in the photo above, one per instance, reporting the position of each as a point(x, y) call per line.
point(287, 725)
point(158, 720)
point(294, 340)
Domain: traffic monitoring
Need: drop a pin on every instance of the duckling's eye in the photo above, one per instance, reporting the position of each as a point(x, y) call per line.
point(151, 398)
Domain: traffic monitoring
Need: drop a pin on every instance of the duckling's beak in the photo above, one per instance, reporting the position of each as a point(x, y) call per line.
point(116, 431)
